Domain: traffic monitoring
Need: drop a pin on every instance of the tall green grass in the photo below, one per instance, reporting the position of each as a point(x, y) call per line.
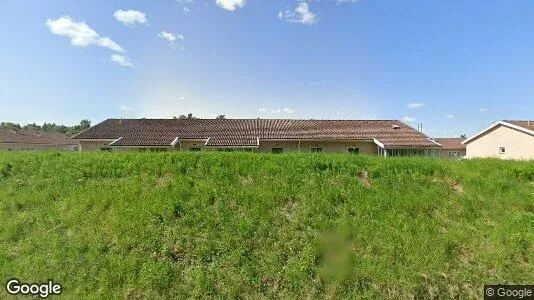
point(177, 225)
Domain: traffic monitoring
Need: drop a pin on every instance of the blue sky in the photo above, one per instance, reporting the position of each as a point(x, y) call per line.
point(454, 66)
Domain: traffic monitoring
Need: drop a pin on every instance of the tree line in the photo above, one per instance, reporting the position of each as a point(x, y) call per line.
point(48, 127)
point(190, 116)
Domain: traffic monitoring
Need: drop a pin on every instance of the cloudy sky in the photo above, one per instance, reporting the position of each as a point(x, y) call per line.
point(454, 66)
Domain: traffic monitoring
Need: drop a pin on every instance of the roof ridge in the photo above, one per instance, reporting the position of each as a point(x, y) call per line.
point(251, 119)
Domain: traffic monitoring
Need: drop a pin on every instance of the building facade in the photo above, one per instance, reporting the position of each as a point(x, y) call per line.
point(504, 140)
point(375, 137)
point(451, 147)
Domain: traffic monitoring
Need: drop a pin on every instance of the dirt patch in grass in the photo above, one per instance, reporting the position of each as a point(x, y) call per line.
point(290, 208)
point(452, 183)
point(164, 179)
point(245, 180)
point(457, 187)
point(363, 177)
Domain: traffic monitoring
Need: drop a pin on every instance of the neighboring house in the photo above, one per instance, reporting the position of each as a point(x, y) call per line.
point(385, 137)
point(451, 147)
point(11, 140)
point(503, 139)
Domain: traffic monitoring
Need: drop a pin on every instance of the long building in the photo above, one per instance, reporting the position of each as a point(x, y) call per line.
point(379, 137)
point(451, 147)
point(27, 140)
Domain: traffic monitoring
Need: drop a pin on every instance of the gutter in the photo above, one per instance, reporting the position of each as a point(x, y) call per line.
point(111, 144)
point(173, 143)
point(379, 143)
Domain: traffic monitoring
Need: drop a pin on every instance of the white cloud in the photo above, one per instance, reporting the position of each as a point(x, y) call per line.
point(449, 116)
point(483, 110)
point(231, 5)
point(185, 5)
point(125, 108)
point(288, 110)
point(301, 14)
point(80, 34)
point(170, 37)
point(408, 120)
point(121, 60)
point(130, 17)
point(110, 44)
point(415, 105)
point(262, 109)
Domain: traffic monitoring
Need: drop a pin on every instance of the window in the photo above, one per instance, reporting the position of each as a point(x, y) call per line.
point(194, 149)
point(316, 149)
point(234, 150)
point(502, 150)
point(353, 150)
point(411, 152)
point(277, 150)
point(454, 154)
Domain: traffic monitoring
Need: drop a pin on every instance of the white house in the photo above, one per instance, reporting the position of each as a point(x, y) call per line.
point(503, 139)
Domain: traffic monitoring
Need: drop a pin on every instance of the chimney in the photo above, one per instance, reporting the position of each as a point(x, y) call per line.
point(420, 127)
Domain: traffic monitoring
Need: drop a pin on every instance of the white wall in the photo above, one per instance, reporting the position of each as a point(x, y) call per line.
point(518, 145)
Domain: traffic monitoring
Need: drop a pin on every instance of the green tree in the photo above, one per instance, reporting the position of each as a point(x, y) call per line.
point(49, 127)
point(189, 116)
point(84, 124)
point(32, 126)
point(10, 126)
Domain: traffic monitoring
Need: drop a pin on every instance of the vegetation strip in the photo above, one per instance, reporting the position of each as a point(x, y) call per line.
point(179, 225)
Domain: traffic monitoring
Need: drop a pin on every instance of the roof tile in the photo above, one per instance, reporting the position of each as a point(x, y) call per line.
point(32, 137)
point(450, 143)
point(245, 132)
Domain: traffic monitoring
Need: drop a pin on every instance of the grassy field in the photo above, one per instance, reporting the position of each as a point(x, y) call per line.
point(161, 225)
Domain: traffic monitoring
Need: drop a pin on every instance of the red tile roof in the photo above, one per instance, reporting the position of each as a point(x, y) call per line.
point(31, 137)
point(525, 124)
point(450, 143)
point(246, 132)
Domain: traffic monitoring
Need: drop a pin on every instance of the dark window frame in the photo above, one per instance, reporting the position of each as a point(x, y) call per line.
point(277, 150)
point(353, 150)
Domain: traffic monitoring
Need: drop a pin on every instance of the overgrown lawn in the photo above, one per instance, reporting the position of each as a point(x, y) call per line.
point(179, 225)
